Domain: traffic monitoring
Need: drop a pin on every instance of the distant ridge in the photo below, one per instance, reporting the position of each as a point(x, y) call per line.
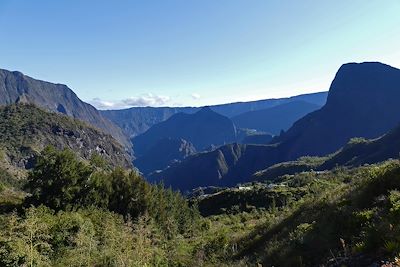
point(274, 119)
point(137, 120)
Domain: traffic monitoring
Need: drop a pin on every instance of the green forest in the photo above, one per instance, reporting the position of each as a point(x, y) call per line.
point(70, 212)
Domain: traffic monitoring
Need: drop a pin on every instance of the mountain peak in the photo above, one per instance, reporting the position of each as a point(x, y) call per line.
point(362, 99)
point(202, 128)
point(355, 81)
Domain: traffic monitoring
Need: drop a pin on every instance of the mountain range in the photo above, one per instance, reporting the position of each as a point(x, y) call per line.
point(147, 126)
point(207, 129)
point(202, 146)
point(361, 103)
point(137, 120)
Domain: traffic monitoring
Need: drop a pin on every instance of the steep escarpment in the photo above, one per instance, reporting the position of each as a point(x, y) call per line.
point(16, 87)
point(362, 102)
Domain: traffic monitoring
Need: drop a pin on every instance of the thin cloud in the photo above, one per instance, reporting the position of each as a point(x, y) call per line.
point(144, 100)
point(195, 96)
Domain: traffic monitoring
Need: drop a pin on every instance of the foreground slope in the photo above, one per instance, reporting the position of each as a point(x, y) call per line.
point(16, 87)
point(344, 217)
point(26, 130)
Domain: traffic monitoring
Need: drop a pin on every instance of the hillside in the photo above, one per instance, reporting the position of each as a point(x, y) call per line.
point(202, 129)
point(337, 218)
point(137, 120)
point(357, 152)
point(275, 119)
point(16, 87)
point(26, 130)
point(361, 151)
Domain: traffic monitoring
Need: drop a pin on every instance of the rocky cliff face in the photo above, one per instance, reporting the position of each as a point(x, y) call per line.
point(362, 102)
point(16, 87)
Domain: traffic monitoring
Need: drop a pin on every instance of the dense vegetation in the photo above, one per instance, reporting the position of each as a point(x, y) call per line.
point(86, 214)
point(79, 213)
point(343, 217)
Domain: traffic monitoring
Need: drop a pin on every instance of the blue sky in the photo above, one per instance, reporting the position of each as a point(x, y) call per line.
point(190, 52)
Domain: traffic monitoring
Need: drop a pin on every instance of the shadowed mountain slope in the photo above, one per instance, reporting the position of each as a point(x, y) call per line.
point(164, 153)
point(224, 166)
point(257, 139)
point(202, 129)
point(362, 102)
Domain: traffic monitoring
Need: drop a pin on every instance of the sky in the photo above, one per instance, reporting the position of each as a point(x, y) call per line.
point(122, 53)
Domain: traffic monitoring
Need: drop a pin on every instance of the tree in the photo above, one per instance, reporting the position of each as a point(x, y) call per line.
point(130, 193)
point(58, 179)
